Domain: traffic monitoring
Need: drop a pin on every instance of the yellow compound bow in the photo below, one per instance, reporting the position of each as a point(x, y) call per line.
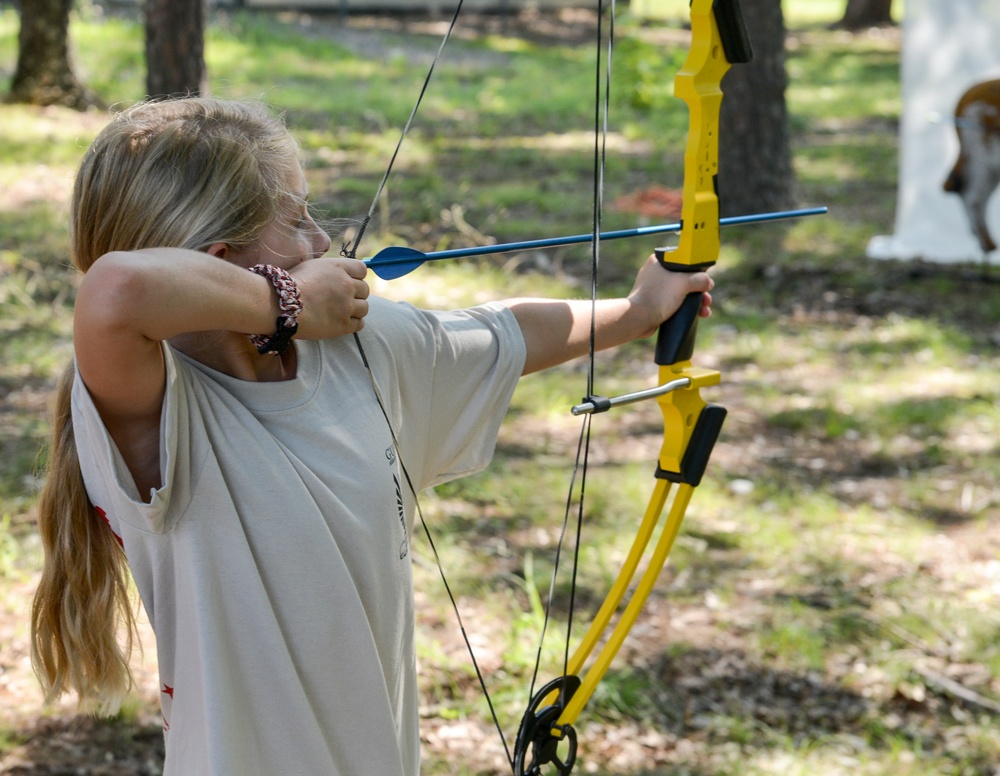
point(546, 740)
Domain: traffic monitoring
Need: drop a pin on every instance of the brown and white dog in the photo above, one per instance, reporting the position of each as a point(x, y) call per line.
point(976, 174)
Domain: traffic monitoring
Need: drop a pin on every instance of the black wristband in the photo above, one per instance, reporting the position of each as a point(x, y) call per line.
point(278, 342)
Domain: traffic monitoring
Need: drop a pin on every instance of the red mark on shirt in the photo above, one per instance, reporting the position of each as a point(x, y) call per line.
point(167, 690)
point(104, 517)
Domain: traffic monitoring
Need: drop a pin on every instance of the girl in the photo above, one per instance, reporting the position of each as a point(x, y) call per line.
point(251, 482)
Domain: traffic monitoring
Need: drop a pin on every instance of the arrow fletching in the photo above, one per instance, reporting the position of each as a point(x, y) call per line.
point(396, 261)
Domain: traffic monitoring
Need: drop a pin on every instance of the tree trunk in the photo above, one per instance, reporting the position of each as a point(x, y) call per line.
point(175, 48)
point(44, 75)
point(755, 165)
point(862, 14)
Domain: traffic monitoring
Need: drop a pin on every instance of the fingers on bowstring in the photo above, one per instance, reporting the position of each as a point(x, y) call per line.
point(356, 268)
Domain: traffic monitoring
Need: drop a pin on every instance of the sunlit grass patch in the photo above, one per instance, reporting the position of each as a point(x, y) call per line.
point(43, 138)
point(834, 92)
point(109, 56)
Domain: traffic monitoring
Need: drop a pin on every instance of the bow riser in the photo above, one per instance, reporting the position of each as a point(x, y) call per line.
point(682, 411)
point(718, 39)
point(698, 85)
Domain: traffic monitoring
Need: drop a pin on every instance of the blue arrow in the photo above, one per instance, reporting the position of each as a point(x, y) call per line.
point(394, 262)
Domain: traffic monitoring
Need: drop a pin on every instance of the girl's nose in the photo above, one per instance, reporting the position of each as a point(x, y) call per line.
point(321, 242)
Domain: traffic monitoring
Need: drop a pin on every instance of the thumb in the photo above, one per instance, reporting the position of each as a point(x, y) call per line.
point(700, 281)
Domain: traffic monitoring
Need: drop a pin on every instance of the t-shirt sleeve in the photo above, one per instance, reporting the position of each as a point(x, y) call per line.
point(109, 483)
point(454, 374)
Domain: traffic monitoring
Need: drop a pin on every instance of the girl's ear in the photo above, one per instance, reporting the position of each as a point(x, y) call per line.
point(220, 250)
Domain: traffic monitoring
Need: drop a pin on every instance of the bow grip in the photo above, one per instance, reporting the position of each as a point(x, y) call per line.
point(675, 340)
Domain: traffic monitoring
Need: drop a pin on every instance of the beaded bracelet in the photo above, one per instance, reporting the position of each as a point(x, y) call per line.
point(290, 304)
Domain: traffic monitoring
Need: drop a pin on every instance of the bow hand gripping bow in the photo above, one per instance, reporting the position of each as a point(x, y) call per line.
point(546, 741)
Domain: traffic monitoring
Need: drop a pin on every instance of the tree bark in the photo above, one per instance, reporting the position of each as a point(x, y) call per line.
point(175, 48)
point(44, 75)
point(862, 14)
point(755, 165)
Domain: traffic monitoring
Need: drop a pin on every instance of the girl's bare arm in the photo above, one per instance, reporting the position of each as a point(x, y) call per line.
point(556, 331)
point(129, 302)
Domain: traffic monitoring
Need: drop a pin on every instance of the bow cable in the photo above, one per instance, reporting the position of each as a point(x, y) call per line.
point(430, 541)
point(602, 102)
point(350, 251)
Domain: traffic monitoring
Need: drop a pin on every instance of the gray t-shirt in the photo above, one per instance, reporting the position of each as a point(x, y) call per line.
point(274, 560)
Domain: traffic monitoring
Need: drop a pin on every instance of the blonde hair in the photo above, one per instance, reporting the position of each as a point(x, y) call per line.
point(180, 173)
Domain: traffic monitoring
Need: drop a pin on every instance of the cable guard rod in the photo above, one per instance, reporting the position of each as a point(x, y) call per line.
point(594, 404)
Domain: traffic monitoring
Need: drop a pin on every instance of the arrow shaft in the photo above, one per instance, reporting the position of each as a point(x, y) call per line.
point(552, 242)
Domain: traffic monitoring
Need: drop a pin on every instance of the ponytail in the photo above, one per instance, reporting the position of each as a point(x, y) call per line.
point(82, 621)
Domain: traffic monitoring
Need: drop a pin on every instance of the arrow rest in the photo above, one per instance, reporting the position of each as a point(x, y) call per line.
point(539, 738)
